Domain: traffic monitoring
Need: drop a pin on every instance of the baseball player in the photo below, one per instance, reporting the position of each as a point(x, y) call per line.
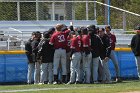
point(31, 63)
point(112, 55)
point(135, 46)
point(34, 45)
point(45, 54)
point(68, 57)
point(86, 56)
point(59, 41)
point(79, 36)
point(96, 44)
point(75, 59)
point(105, 53)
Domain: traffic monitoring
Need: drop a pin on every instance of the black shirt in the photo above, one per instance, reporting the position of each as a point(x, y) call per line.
point(135, 45)
point(46, 51)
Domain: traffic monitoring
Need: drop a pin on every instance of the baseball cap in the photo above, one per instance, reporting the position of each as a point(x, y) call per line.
point(51, 30)
point(46, 34)
point(137, 29)
point(38, 34)
point(84, 30)
point(91, 27)
point(33, 33)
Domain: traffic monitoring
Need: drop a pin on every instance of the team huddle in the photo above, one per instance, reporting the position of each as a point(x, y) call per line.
point(71, 55)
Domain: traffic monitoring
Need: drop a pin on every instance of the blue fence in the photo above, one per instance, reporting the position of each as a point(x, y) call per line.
point(127, 65)
point(13, 67)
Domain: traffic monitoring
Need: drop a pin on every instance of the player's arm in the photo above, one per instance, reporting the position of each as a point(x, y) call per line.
point(52, 40)
point(28, 48)
point(108, 47)
point(35, 46)
point(72, 47)
point(133, 44)
point(115, 39)
point(71, 26)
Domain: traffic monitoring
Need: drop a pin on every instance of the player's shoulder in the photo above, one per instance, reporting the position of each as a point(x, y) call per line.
point(74, 39)
point(112, 34)
point(55, 34)
point(85, 37)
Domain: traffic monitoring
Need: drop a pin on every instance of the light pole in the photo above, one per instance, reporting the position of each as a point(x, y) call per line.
point(108, 12)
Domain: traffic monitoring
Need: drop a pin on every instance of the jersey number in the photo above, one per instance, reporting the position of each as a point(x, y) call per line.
point(79, 43)
point(61, 38)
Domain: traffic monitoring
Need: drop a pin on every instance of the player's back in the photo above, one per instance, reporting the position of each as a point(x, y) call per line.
point(76, 44)
point(86, 40)
point(59, 40)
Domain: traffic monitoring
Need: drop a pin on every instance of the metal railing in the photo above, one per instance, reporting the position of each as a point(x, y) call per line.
point(7, 32)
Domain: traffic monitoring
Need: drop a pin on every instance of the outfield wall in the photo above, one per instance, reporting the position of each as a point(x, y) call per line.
point(13, 65)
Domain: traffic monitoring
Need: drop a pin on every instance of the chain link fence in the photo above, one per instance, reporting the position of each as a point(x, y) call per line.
point(67, 10)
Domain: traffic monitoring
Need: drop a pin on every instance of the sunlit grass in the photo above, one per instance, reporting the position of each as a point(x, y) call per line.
point(133, 85)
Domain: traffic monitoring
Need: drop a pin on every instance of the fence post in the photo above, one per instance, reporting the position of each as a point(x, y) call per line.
point(8, 41)
point(18, 10)
point(53, 10)
point(124, 21)
point(22, 42)
point(106, 12)
point(73, 12)
point(37, 18)
point(86, 10)
point(95, 10)
point(64, 10)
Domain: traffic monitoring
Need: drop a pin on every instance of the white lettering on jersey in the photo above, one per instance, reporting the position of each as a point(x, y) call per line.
point(61, 38)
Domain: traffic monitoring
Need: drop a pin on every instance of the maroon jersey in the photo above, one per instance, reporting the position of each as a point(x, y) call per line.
point(112, 40)
point(67, 32)
point(80, 40)
point(76, 44)
point(59, 40)
point(68, 43)
point(86, 41)
point(79, 37)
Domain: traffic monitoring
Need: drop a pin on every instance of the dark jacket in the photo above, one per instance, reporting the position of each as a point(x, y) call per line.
point(135, 45)
point(96, 44)
point(46, 51)
point(106, 48)
point(28, 49)
point(34, 45)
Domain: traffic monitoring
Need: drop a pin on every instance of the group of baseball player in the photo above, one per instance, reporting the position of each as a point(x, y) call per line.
point(71, 55)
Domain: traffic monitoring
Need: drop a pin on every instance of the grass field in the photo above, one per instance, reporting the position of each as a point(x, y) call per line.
point(124, 87)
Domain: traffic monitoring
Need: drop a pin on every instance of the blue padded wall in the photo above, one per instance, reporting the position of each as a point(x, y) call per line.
point(127, 65)
point(2, 68)
point(14, 68)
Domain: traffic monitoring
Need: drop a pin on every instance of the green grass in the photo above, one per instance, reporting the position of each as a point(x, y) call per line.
point(125, 86)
